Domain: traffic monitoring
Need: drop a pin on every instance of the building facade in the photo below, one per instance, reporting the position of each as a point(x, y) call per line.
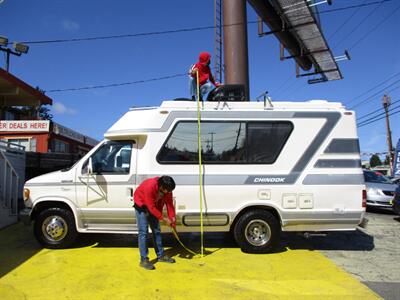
point(44, 136)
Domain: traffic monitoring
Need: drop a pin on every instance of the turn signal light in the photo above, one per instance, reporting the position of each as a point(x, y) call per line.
point(364, 198)
point(26, 194)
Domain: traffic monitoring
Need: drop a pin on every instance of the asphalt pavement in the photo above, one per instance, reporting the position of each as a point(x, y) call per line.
point(371, 255)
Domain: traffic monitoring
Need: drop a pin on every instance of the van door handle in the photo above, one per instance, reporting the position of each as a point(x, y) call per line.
point(130, 193)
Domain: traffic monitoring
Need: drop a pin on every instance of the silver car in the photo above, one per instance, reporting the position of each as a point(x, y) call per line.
point(380, 190)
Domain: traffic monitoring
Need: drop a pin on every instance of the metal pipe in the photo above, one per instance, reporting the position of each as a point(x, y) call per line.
point(235, 43)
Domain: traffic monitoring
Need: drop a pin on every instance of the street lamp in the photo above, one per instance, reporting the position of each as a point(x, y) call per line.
point(19, 49)
point(3, 41)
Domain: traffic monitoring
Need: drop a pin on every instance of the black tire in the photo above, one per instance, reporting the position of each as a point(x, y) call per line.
point(55, 228)
point(257, 231)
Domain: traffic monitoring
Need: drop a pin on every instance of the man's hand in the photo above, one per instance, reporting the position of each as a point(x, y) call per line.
point(173, 222)
point(193, 71)
point(166, 221)
point(217, 84)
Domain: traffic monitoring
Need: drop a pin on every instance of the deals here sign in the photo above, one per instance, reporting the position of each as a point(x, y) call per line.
point(19, 126)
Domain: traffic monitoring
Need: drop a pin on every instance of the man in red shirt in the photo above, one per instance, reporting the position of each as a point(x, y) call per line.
point(150, 198)
point(206, 80)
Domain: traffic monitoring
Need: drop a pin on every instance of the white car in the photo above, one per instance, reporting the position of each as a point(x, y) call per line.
point(380, 189)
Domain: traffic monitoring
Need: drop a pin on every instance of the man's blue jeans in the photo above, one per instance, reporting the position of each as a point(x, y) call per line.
point(204, 89)
point(143, 223)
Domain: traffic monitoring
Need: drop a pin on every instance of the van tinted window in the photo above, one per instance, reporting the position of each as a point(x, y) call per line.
point(266, 140)
point(226, 142)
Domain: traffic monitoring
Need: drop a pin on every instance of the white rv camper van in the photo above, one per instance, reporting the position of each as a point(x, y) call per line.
point(288, 167)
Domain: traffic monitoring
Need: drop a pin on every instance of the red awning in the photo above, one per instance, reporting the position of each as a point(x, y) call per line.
point(15, 92)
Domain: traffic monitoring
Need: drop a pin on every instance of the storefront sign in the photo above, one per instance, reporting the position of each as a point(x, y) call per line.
point(27, 126)
point(396, 162)
point(69, 133)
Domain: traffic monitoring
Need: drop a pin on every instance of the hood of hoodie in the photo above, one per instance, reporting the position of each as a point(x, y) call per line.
point(204, 58)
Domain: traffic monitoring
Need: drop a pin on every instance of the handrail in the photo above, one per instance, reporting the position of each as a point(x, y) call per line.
point(8, 164)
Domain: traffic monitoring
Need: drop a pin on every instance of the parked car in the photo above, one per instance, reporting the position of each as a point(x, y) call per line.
point(396, 201)
point(396, 180)
point(380, 190)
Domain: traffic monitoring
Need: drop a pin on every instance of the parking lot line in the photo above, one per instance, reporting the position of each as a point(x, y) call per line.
point(110, 272)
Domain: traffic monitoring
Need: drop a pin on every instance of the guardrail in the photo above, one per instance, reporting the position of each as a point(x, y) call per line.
point(8, 185)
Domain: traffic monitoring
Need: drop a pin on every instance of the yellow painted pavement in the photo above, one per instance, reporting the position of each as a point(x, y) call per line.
point(110, 271)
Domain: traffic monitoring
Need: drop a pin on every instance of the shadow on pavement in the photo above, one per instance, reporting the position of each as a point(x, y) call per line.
point(381, 210)
point(340, 240)
point(17, 245)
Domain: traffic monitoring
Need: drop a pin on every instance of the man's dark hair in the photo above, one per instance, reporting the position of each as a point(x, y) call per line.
point(167, 183)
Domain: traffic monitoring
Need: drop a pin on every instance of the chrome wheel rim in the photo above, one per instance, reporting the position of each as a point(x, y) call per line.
point(258, 232)
point(54, 228)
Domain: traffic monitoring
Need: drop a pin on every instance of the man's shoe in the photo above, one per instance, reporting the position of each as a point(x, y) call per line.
point(146, 264)
point(166, 259)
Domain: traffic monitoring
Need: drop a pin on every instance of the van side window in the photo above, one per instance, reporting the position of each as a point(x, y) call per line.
point(113, 157)
point(266, 140)
point(226, 142)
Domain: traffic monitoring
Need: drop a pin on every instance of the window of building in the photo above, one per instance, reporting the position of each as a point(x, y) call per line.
point(17, 143)
point(59, 146)
point(8, 115)
point(226, 142)
point(113, 157)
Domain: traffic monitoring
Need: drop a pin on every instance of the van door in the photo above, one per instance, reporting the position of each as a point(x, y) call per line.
point(104, 194)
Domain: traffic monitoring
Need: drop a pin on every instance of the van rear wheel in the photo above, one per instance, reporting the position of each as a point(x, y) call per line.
point(55, 228)
point(257, 231)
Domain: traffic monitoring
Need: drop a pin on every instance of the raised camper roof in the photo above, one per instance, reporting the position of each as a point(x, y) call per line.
point(252, 105)
point(142, 120)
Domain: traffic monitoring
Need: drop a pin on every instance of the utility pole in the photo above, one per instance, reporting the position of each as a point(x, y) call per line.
point(386, 103)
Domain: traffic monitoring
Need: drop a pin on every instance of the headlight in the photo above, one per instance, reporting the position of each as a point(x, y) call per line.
point(373, 191)
point(26, 194)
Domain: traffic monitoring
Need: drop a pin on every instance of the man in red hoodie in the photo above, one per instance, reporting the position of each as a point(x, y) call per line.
point(150, 198)
point(206, 80)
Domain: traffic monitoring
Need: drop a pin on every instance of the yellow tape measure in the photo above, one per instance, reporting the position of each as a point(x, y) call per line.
point(180, 242)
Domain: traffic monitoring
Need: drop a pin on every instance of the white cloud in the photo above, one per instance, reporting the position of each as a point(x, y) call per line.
point(60, 108)
point(70, 26)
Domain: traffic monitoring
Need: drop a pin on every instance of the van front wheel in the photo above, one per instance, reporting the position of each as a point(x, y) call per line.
point(257, 231)
point(55, 228)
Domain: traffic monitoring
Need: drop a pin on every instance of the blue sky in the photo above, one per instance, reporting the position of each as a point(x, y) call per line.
point(68, 65)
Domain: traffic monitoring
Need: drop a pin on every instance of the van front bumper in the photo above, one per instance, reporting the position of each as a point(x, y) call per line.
point(25, 215)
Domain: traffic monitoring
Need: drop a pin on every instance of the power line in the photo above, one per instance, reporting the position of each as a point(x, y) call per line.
point(379, 84)
point(372, 112)
point(345, 22)
point(377, 93)
point(378, 115)
point(116, 84)
point(376, 27)
point(190, 29)
point(359, 24)
point(392, 112)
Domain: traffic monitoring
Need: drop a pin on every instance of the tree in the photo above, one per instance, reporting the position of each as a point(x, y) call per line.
point(375, 161)
point(44, 113)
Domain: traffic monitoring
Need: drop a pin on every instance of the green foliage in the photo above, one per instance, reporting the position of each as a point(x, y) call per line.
point(44, 113)
point(375, 161)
